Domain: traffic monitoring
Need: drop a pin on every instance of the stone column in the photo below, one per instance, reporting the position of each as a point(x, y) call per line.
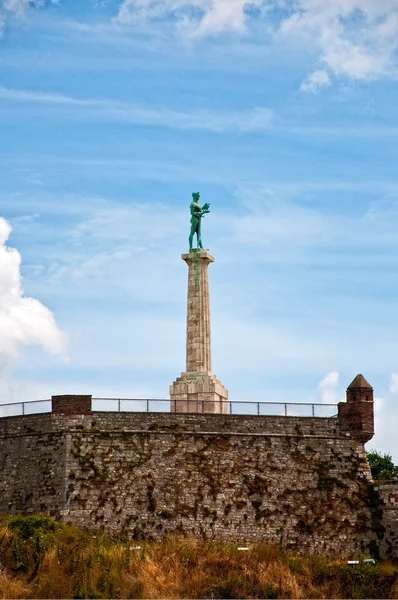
point(198, 390)
point(198, 312)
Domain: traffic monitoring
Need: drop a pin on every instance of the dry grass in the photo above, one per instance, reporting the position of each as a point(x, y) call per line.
point(42, 559)
point(12, 588)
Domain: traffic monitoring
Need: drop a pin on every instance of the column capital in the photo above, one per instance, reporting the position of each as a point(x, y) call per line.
point(197, 253)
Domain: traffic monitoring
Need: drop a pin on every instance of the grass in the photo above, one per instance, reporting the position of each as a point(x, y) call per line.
point(44, 559)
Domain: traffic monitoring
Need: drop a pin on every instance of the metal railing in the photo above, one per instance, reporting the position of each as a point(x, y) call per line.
point(234, 407)
point(153, 405)
point(33, 407)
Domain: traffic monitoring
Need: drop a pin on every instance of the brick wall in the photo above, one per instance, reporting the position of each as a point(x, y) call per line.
point(71, 405)
point(297, 481)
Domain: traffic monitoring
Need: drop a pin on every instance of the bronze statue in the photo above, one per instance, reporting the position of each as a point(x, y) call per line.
point(197, 213)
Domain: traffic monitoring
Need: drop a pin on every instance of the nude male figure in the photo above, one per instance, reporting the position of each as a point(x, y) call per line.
point(197, 213)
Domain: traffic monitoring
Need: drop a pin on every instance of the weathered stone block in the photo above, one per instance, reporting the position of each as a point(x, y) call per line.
point(71, 405)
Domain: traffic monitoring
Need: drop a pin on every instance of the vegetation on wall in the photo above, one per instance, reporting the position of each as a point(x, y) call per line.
point(44, 559)
point(381, 465)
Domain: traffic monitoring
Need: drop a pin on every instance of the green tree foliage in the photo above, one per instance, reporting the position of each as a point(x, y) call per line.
point(381, 465)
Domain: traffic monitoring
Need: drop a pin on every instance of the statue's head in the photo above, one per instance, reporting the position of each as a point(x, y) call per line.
point(196, 196)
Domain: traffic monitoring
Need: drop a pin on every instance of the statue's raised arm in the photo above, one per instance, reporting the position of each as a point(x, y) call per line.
point(197, 213)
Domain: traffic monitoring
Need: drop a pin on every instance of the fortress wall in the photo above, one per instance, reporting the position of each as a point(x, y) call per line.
point(216, 423)
point(291, 480)
point(388, 492)
point(32, 465)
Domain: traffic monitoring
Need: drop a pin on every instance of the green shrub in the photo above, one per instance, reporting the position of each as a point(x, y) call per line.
point(29, 527)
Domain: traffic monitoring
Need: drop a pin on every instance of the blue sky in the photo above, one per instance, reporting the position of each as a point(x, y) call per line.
point(282, 114)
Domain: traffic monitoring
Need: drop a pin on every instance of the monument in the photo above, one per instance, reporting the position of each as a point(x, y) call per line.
point(198, 390)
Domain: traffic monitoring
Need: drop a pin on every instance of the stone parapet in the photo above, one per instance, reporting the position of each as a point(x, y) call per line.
point(218, 424)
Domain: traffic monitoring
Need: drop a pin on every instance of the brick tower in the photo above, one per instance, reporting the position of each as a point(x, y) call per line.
point(198, 389)
point(356, 416)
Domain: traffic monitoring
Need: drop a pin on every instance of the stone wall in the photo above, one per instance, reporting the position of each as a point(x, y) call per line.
point(32, 465)
point(296, 481)
point(388, 493)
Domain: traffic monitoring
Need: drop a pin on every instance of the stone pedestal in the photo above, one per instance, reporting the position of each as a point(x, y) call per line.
point(198, 389)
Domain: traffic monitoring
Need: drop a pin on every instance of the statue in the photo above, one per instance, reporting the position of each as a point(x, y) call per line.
point(196, 217)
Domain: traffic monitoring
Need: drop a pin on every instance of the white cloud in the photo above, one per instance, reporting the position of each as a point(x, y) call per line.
point(18, 8)
point(225, 15)
point(132, 11)
point(356, 39)
point(5, 230)
point(23, 321)
point(198, 17)
point(378, 405)
point(380, 417)
point(328, 388)
point(273, 217)
point(270, 220)
point(394, 384)
point(256, 119)
point(386, 421)
point(316, 81)
point(353, 38)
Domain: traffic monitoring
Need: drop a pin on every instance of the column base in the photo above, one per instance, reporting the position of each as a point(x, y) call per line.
point(199, 392)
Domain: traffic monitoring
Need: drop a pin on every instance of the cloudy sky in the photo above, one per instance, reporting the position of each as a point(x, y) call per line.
point(282, 113)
